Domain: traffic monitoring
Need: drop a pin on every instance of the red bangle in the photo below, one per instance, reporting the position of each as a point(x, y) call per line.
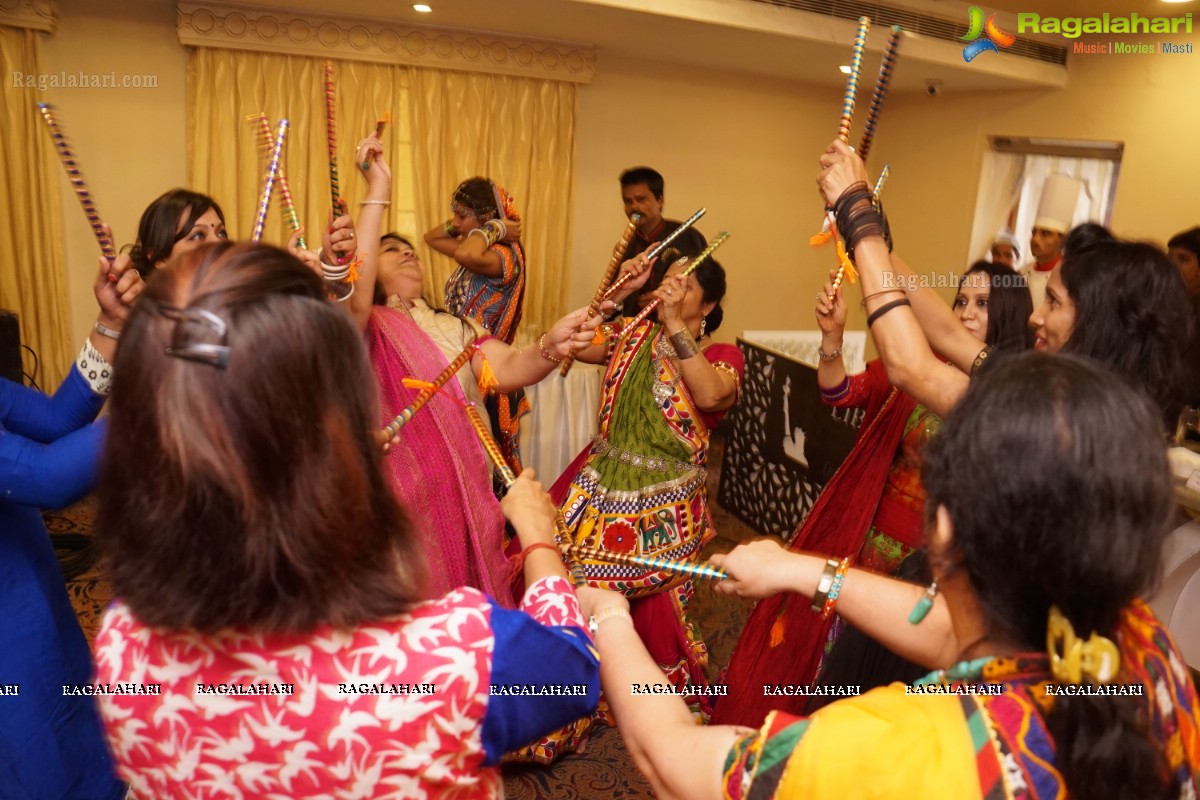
point(519, 559)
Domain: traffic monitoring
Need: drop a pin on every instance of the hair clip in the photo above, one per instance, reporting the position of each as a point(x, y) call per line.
point(215, 355)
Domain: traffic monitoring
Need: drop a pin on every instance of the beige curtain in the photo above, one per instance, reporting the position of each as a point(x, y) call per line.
point(520, 132)
point(225, 161)
point(32, 281)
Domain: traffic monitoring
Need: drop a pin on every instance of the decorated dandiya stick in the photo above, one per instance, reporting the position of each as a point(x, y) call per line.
point(562, 534)
point(845, 267)
point(339, 205)
point(609, 273)
point(267, 139)
point(688, 270)
point(429, 391)
point(881, 180)
point(881, 89)
point(75, 177)
point(847, 118)
point(366, 164)
point(269, 184)
point(654, 251)
point(649, 562)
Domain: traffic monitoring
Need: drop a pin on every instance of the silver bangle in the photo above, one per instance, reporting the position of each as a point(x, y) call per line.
point(104, 330)
point(374, 202)
point(826, 583)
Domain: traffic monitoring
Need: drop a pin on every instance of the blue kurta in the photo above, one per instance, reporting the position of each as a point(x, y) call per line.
point(51, 745)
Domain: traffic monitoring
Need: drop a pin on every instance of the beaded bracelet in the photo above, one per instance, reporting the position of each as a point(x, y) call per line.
point(545, 351)
point(835, 589)
point(821, 354)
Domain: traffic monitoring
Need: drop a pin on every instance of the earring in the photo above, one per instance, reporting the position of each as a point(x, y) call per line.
point(924, 605)
point(703, 325)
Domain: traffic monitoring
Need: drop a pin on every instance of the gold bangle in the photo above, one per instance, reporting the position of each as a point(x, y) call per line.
point(546, 354)
point(684, 344)
point(607, 613)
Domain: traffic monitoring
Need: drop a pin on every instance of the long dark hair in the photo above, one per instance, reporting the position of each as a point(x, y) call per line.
point(159, 229)
point(1009, 306)
point(249, 495)
point(1055, 479)
point(1132, 314)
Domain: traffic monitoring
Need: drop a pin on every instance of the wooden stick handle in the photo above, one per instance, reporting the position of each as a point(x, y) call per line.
point(614, 264)
point(428, 392)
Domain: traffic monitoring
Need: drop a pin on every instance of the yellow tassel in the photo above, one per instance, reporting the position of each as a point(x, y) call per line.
point(821, 238)
point(846, 264)
point(415, 383)
point(779, 625)
point(488, 383)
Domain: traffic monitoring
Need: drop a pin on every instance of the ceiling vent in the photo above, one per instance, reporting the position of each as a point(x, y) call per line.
point(933, 27)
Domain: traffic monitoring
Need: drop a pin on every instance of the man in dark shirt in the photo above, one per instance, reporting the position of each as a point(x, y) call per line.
point(642, 191)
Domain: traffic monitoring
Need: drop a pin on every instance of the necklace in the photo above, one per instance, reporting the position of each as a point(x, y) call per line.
point(663, 390)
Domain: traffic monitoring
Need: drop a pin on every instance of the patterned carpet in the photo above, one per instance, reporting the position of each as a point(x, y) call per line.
point(604, 769)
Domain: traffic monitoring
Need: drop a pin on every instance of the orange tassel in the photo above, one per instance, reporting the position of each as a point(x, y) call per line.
point(779, 625)
point(488, 383)
point(415, 383)
point(821, 238)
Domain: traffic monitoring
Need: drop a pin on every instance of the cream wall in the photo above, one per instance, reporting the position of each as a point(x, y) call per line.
point(130, 142)
point(745, 148)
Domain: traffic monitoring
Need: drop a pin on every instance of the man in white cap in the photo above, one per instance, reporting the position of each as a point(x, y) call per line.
point(1004, 250)
point(1055, 213)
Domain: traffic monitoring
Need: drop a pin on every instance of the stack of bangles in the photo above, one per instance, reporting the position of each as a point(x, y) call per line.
point(344, 274)
point(858, 218)
point(492, 231)
point(824, 600)
point(836, 393)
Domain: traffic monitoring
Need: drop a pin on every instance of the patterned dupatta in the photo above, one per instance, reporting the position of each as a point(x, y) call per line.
point(437, 469)
point(642, 488)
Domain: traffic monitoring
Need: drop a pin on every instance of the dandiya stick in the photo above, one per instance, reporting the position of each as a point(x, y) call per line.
point(654, 251)
point(688, 270)
point(289, 206)
point(339, 205)
point(366, 164)
point(429, 391)
point(269, 184)
point(830, 225)
point(611, 272)
point(848, 100)
point(881, 180)
point(562, 534)
point(75, 177)
point(649, 562)
point(881, 89)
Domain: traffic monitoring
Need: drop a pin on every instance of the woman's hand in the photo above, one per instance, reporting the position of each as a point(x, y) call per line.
point(338, 242)
point(831, 314)
point(670, 294)
point(756, 570)
point(116, 287)
point(575, 330)
point(527, 506)
point(306, 257)
point(512, 229)
point(840, 168)
point(638, 268)
point(378, 173)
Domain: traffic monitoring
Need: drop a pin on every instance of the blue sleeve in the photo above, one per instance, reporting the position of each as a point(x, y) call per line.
point(529, 654)
point(50, 475)
point(29, 413)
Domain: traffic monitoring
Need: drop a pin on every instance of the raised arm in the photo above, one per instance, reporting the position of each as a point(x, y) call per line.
point(370, 226)
point(911, 364)
point(942, 327)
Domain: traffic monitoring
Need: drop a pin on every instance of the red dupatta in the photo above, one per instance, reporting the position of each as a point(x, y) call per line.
point(834, 527)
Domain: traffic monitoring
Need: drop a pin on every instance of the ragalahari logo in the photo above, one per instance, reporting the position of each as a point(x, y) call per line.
point(991, 30)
